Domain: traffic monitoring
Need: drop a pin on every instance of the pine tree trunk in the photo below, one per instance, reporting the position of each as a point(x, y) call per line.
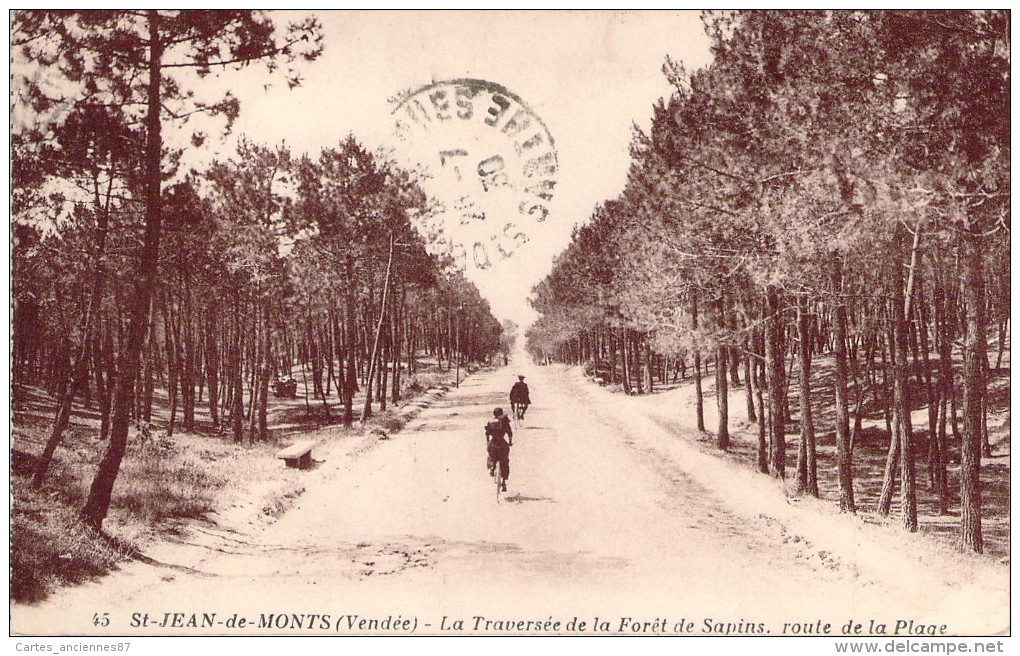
point(106, 397)
point(954, 419)
point(886, 388)
point(625, 360)
point(986, 447)
point(807, 470)
point(762, 452)
point(399, 339)
point(384, 355)
point(147, 373)
point(699, 400)
point(893, 429)
point(752, 416)
point(649, 364)
point(861, 389)
point(367, 411)
point(892, 460)
point(188, 368)
point(257, 357)
point(172, 363)
point(733, 359)
point(212, 363)
point(98, 502)
point(237, 377)
point(974, 383)
point(613, 376)
point(931, 399)
point(635, 365)
point(338, 339)
point(266, 363)
point(351, 378)
point(844, 447)
point(328, 351)
point(315, 358)
point(1003, 331)
point(775, 382)
point(79, 375)
point(901, 394)
point(721, 384)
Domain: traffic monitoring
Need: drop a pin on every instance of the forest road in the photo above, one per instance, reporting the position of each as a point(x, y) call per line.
point(595, 524)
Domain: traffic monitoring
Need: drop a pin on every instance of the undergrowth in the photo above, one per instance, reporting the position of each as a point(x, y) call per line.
point(50, 546)
point(162, 482)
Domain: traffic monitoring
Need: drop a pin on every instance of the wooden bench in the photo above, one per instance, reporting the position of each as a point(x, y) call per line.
point(298, 455)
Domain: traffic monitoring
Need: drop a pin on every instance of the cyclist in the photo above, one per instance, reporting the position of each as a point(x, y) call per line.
point(499, 437)
point(519, 397)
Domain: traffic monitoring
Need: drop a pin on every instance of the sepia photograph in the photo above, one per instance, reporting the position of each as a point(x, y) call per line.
point(515, 323)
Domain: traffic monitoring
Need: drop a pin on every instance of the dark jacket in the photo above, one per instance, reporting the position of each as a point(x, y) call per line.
point(519, 393)
point(497, 432)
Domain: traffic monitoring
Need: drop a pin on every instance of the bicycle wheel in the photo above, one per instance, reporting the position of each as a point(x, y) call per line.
point(499, 479)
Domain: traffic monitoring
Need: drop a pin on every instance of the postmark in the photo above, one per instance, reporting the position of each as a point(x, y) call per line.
point(487, 159)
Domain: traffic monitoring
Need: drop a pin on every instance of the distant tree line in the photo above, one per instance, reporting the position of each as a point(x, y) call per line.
point(834, 183)
point(211, 287)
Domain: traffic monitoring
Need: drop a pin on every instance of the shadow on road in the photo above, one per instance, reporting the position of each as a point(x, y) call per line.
point(520, 498)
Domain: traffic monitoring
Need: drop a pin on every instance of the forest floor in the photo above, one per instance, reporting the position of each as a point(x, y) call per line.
point(673, 406)
point(610, 519)
point(166, 482)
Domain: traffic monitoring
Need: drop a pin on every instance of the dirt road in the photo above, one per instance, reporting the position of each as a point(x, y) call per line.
point(407, 535)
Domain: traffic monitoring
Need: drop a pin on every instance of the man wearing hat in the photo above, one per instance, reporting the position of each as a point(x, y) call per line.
point(519, 397)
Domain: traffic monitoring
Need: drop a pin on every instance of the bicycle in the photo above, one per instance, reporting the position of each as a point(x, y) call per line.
point(499, 478)
point(517, 412)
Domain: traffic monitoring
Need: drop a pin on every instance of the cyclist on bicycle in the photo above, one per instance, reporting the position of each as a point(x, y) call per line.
point(519, 397)
point(499, 437)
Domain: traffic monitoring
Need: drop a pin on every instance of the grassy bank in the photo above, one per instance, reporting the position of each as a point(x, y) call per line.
point(165, 481)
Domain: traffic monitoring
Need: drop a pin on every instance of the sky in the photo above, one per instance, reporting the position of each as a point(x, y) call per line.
point(589, 76)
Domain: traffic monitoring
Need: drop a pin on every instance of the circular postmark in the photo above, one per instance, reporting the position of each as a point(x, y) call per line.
point(487, 159)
